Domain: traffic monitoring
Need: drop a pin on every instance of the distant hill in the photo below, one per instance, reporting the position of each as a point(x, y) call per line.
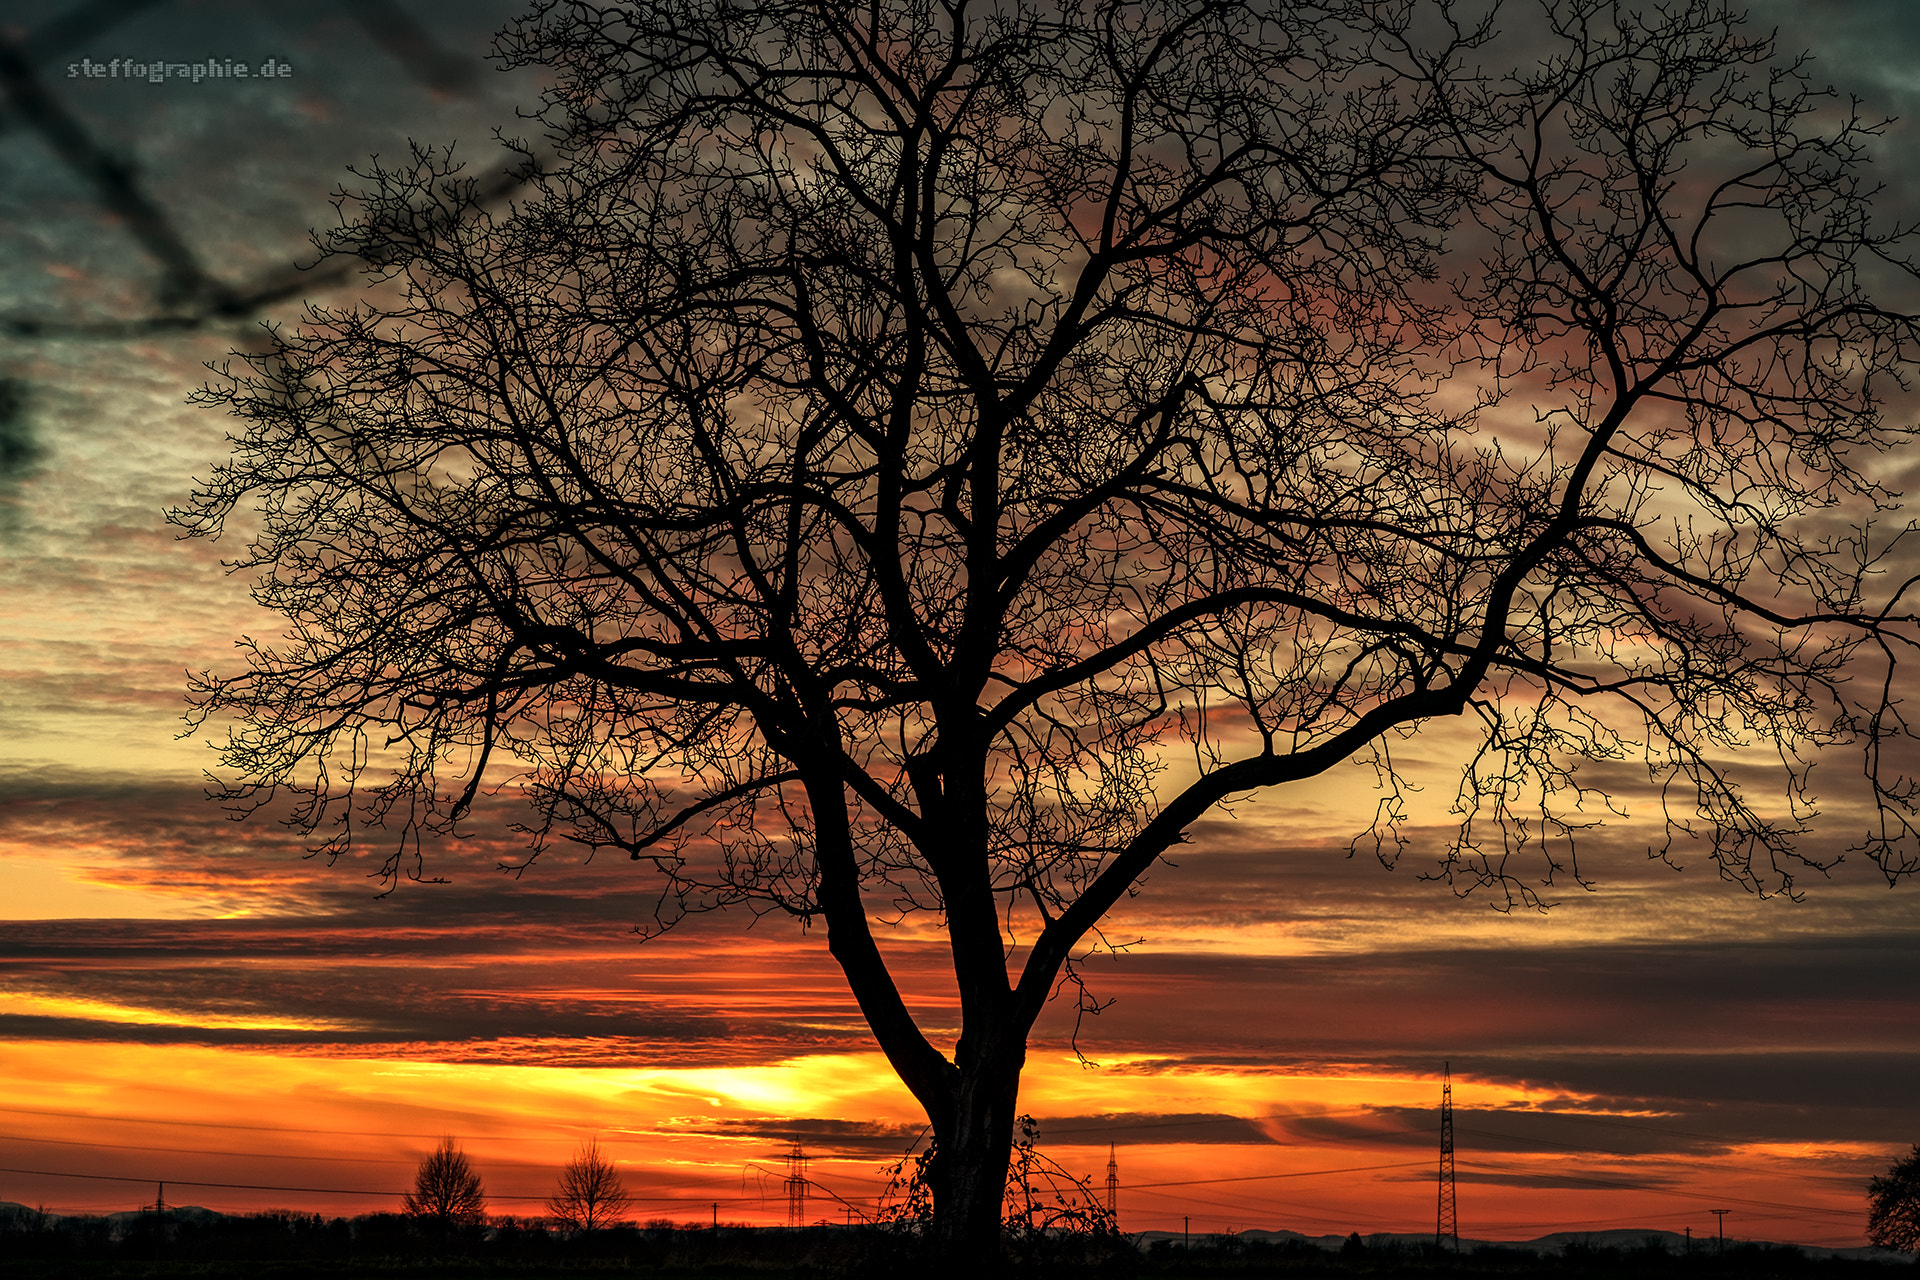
point(175, 1213)
point(13, 1213)
point(1622, 1238)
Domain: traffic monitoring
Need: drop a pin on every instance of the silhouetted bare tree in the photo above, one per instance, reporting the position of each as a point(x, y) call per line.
point(1893, 1205)
point(446, 1190)
point(591, 1194)
point(888, 436)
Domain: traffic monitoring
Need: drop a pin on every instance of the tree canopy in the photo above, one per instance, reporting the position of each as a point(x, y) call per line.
point(591, 1194)
point(923, 457)
point(1893, 1205)
point(446, 1190)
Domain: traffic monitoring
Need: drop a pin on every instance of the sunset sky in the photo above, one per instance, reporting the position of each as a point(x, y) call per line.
point(188, 1000)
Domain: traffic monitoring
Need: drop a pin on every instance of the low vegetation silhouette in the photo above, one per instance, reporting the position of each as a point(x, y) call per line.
point(288, 1243)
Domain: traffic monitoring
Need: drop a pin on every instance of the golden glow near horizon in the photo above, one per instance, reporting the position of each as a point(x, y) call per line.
point(345, 1133)
point(334, 1122)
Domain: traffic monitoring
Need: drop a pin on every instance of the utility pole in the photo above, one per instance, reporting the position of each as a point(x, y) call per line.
point(796, 1186)
point(716, 1215)
point(159, 1199)
point(1722, 1215)
point(1447, 1227)
point(1113, 1188)
point(1186, 1231)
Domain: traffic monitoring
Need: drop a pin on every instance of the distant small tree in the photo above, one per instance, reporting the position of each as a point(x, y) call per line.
point(590, 1194)
point(1893, 1205)
point(446, 1190)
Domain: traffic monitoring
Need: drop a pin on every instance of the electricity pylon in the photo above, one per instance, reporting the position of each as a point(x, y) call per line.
point(796, 1186)
point(1447, 1230)
point(1113, 1188)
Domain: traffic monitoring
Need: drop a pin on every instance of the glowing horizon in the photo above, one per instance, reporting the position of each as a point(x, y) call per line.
point(668, 1131)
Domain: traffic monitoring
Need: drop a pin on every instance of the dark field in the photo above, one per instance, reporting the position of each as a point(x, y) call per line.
point(295, 1245)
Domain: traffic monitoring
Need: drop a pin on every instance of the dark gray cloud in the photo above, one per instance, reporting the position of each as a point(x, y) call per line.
point(1694, 1048)
point(1697, 1119)
point(1638, 1180)
point(857, 1138)
point(1149, 1127)
point(1435, 1004)
point(163, 832)
point(19, 450)
point(430, 966)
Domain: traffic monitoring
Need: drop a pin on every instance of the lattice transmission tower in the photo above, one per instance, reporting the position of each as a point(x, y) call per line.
point(797, 1186)
point(1447, 1231)
point(1113, 1187)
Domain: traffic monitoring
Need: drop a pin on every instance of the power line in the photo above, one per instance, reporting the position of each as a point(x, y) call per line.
point(1377, 1136)
point(260, 1155)
point(1716, 1166)
point(196, 1151)
point(1262, 1177)
point(339, 1191)
point(231, 1186)
point(1648, 1128)
point(1050, 1133)
point(215, 1124)
point(1387, 1134)
point(379, 1192)
point(1153, 1186)
point(1198, 1121)
point(1668, 1191)
point(1293, 1209)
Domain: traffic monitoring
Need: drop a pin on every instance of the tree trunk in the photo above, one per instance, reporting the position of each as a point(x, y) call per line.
point(969, 1173)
